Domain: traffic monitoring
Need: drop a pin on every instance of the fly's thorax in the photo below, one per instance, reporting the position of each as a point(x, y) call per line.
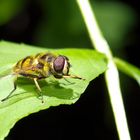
point(46, 60)
point(46, 57)
point(60, 66)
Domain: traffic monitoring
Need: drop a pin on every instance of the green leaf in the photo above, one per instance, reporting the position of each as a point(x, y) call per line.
point(86, 63)
point(128, 69)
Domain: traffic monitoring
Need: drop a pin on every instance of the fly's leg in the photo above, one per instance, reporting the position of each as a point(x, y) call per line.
point(15, 87)
point(67, 81)
point(73, 76)
point(39, 89)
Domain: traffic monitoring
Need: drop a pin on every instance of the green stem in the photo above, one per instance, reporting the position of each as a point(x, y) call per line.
point(111, 75)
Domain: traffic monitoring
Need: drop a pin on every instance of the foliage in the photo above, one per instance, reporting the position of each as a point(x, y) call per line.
point(85, 63)
point(128, 69)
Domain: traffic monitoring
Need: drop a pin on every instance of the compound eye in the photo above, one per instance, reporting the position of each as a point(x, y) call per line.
point(59, 64)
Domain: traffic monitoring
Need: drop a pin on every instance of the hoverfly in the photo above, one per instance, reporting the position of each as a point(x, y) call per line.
point(41, 66)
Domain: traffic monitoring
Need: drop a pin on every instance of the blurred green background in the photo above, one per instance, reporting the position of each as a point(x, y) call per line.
point(59, 24)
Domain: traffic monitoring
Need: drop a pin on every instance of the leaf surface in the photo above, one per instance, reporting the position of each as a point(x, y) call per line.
point(128, 69)
point(86, 63)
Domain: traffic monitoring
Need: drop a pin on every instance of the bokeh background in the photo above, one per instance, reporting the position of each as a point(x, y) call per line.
point(58, 24)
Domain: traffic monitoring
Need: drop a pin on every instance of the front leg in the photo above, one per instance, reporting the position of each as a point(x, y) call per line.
point(39, 89)
point(73, 76)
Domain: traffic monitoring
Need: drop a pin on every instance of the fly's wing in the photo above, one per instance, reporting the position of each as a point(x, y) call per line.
point(6, 70)
point(6, 80)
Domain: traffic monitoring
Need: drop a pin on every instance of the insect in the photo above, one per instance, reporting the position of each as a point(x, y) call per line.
point(41, 66)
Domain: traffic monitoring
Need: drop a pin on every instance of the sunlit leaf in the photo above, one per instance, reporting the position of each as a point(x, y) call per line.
point(86, 63)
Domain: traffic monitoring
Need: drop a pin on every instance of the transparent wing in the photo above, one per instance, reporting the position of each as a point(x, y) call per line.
point(6, 70)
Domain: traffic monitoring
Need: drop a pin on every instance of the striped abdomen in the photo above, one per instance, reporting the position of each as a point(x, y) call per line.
point(37, 66)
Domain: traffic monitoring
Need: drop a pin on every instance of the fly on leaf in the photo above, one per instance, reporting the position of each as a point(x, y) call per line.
point(41, 66)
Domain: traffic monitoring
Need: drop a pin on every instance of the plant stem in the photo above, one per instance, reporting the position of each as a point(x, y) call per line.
point(111, 75)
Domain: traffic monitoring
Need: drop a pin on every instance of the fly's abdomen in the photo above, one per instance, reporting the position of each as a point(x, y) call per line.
point(31, 67)
point(23, 65)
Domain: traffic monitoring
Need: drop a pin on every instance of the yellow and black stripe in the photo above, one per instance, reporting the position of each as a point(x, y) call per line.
point(37, 66)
